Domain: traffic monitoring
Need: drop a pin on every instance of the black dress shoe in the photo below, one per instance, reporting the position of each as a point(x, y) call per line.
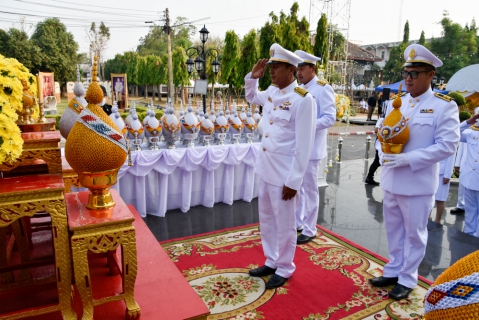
point(371, 182)
point(382, 281)
point(400, 292)
point(275, 281)
point(302, 239)
point(457, 211)
point(261, 271)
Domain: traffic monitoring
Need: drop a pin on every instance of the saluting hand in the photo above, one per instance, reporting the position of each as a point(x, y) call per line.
point(473, 119)
point(259, 69)
point(288, 193)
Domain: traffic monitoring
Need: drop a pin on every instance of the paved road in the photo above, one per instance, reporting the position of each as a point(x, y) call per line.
point(354, 146)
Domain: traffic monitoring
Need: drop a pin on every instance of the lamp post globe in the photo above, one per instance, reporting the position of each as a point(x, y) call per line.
point(442, 80)
point(204, 34)
point(199, 64)
point(216, 66)
point(189, 65)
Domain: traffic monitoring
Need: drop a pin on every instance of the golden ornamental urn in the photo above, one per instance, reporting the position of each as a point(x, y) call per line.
point(96, 148)
point(455, 293)
point(394, 132)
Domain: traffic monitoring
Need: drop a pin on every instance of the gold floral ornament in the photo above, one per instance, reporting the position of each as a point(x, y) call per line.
point(342, 104)
point(11, 103)
point(96, 148)
point(394, 132)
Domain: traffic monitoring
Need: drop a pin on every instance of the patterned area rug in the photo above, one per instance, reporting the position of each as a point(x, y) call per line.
point(330, 282)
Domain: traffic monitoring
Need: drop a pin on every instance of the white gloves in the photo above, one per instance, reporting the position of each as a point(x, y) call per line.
point(394, 160)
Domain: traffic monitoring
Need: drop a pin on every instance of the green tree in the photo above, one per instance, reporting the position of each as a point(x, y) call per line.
point(16, 44)
point(132, 69)
point(154, 77)
point(116, 65)
point(393, 67)
point(249, 55)
point(294, 32)
point(270, 33)
point(180, 74)
point(230, 62)
point(422, 39)
point(339, 41)
point(454, 48)
point(155, 42)
point(99, 38)
point(58, 47)
point(320, 48)
point(142, 79)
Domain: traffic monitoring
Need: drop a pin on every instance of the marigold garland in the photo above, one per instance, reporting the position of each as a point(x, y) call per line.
point(11, 95)
point(343, 105)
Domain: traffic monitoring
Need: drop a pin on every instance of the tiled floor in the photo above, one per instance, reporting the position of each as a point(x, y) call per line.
point(348, 207)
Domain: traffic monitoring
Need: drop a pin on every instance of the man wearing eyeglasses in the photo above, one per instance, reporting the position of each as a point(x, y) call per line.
point(410, 179)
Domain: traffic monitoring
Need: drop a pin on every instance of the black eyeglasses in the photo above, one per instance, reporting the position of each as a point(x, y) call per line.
point(413, 74)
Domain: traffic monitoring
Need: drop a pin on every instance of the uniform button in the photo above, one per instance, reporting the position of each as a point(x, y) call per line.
point(412, 105)
point(266, 135)
point(271, 122)
point(274, 108)
point(264, 149)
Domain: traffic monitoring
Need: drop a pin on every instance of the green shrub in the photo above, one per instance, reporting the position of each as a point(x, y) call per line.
point(141, 115)
point(124, 115)
point(464, 115)
point(57, 119)
point(141, 109)
point(460, 100)
point(159, 113)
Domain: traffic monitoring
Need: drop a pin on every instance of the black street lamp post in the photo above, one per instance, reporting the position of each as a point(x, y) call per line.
point(200, 62)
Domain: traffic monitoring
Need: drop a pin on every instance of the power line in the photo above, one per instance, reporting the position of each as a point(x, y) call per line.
point(82, 10)
point(63, 18)
point(88, 5)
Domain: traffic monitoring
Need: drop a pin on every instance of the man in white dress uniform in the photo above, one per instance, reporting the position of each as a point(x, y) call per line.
point(410, 179)
point(470, 175)
point(323, 94)
point(289, 114)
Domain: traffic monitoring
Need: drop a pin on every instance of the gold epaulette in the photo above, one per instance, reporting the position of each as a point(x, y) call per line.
point(473, 127)
point(322, 82)
point(302, 92)
point(442, 96)
point(401, 95)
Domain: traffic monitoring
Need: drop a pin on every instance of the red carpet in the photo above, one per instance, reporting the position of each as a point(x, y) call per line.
point(330, 282)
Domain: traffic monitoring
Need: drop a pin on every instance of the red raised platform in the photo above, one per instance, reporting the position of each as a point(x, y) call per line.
point(160, 290)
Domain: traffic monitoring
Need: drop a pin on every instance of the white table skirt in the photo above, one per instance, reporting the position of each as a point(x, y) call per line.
point(162, 180)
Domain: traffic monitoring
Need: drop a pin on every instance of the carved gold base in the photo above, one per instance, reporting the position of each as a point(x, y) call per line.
point(387, 147)
point(99, 184)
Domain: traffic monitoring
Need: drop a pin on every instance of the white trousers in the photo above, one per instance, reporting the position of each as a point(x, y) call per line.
point(278, 232)
point(461, 204)
point(471, 225)
point(307, 212)
point(406, 227)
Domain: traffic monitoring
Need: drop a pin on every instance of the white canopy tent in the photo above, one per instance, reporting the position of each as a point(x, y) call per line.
point(466, 82)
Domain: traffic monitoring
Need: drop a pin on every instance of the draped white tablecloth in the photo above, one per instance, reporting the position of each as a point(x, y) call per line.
point(162, 180)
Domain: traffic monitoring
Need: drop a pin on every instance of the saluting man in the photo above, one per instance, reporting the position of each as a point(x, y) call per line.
point(470, 174)
point(289, 114)
point(323, 94)
point(410, 179)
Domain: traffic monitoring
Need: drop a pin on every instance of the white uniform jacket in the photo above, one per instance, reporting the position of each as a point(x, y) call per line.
point(446, 167)
point(461, 155)
point(434, 134)
point(469, 176)
point(326, 115)
point(288, 133)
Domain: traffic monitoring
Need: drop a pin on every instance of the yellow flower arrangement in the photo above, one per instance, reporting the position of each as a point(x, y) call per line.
point(343, 105)
point(11, 101)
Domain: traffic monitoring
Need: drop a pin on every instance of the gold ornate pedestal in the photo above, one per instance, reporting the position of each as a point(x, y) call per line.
point(70, 177)
point(101, 231)
point(23, 197)
point(39, 145)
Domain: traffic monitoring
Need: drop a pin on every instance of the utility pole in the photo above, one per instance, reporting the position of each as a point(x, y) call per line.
point(167, 30)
